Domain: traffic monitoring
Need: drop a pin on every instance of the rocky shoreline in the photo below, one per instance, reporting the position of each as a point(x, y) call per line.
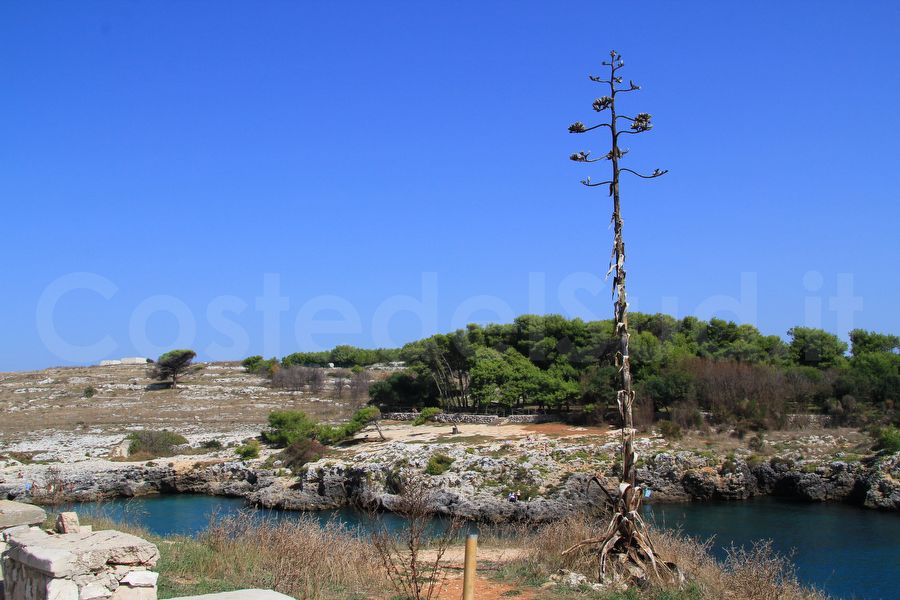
point(552, 476)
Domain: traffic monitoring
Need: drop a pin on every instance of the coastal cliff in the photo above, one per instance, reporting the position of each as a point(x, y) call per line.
point(551, 477)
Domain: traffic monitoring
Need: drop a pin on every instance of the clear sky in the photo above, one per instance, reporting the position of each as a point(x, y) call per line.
point(266, 177)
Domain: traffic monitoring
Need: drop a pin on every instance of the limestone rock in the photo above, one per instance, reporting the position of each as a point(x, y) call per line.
point(94, 591)
point(72, 554)
point(140, 579)
point(62, 589)
point(13, 514)
point(67, 522)
point(123, 592)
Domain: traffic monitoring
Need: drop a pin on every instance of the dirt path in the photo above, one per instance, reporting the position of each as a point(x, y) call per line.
point(486, 589)
point(454, 556)
point(474, 434)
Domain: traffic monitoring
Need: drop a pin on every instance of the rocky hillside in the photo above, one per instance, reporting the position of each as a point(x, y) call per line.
point(76, 413)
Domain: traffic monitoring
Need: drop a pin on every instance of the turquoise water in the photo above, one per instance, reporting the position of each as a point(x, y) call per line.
point(189, 514)
point(845, 551)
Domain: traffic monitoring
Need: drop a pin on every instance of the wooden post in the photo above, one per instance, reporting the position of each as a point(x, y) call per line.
point(469, 571)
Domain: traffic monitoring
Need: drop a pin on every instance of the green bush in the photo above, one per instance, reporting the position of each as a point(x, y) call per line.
point(888, 439)
point(155, 443)
point(260, 366)
point(756, 459)
point(669, 430)
point(88, 392)
point(438, 464)
point(331, 434)
point(211, 445)
point(288, 426)
point(427, 414)
point(248, 450)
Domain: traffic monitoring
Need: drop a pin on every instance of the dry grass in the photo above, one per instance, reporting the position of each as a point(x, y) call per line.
point(757, 573)
point(303, 559)
point(414, 574)
point(300, 558)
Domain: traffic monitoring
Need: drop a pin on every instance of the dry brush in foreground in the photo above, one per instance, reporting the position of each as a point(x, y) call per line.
point(756, 573)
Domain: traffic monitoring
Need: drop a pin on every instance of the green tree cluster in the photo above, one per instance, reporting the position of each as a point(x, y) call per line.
point(680, 367)
point(342, 356)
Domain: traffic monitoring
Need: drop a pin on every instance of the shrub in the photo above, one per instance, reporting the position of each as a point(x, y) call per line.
point(211, 445)
point(755, 460)
point(331, 434)
point(301, 452)
point(88, 392)
point(729, 465)
point(260, 366)
point(780, 462)
point(155, 443)
point(888, 439)
point(438, 464)
point(757, 442)
point(686, 414)
point(366, 415)
point(428, 413)
point(669, 430)
point(288, 426)
point(249, 450)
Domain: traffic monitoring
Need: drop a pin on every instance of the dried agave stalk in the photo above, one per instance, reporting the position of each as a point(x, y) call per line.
point(625, 538)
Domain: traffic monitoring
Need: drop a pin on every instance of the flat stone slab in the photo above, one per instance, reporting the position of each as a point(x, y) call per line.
point(19, 513)
point(69, 554)
point(240, 595)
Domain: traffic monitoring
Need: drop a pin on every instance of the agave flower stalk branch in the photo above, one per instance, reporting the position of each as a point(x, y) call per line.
point(625, 535)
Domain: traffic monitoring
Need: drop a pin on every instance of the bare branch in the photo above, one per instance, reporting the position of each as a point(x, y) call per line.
point(584, 156)
point(579, 127)
point(656, 173)
point(587, 182)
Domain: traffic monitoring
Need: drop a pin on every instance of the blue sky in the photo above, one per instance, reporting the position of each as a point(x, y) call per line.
point(400, 168)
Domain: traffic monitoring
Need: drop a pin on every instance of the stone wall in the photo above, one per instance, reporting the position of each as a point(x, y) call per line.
point(16, 514)
point(77, 563)
point(469, 418)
